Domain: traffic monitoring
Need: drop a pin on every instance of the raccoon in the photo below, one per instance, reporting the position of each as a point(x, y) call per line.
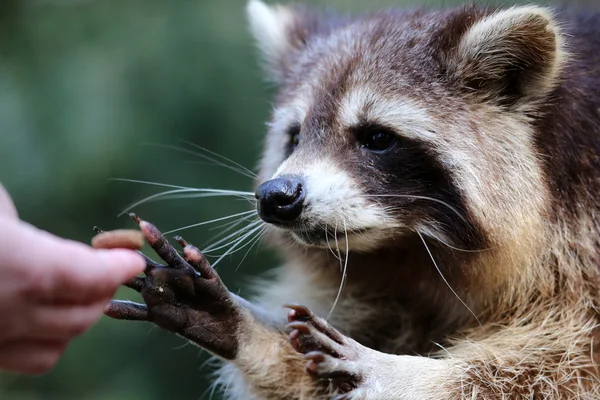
point(432, 179)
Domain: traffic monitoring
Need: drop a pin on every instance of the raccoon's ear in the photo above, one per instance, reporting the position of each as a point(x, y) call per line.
point(280, 30)
point(509, 55)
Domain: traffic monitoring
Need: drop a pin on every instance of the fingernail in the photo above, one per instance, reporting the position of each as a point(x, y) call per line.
point(123, 259)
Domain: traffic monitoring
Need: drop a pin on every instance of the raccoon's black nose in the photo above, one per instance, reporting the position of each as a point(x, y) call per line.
point(280, 200)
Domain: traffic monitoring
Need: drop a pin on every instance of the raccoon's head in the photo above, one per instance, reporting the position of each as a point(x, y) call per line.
point(397, 124)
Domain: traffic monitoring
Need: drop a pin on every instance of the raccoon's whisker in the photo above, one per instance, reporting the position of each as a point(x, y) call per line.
point(328, 244)
point(430, 230)
point(254, 240)
point(181, 346)
point(172, 195)
point(213, 247)
point(236, 244)
point(211, 161)
point(248, 171)
point(210, 222)
point(230, 226)
point(151, 198)
point(253, 235)
point(202, 192)
point(456, 248)
point(344, 270)
point(444, 349)
point(410, 196)
point(240, 169)
point(252, 200)
point(187, 195)
point(209, 362)
point(212, 388)
point(444, 278)
point(222, 384)
point(191, 189)
point(236, 222)
point(337, 246)
point(228, 240)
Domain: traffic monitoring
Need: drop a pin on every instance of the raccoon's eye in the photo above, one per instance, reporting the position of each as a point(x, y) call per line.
point(293, 139)
point(377, 140)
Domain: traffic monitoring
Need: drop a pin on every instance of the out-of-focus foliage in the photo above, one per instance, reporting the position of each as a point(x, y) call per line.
point(98, 89)
point(91, 90)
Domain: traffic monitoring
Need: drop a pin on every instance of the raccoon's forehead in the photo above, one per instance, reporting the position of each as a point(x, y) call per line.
point(387, 42)
point(356, 67)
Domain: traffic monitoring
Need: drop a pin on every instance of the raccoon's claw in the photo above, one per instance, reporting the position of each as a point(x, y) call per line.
point(325, 366)
point(194, 257)
point(298, 312)
point(161, 246)
point(330, 355)
point(185, 296)
point(314, 330)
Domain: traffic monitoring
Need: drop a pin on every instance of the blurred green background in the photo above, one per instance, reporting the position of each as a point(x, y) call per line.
point(98, 89)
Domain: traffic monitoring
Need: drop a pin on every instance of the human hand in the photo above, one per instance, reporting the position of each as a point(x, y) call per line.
point(51, 290)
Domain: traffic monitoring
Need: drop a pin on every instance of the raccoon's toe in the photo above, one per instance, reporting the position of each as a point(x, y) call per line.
point(299, 315)
point(343, 374)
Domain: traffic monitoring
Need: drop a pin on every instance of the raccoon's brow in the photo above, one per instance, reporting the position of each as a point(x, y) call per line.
point(288, 114)
point(405, 115)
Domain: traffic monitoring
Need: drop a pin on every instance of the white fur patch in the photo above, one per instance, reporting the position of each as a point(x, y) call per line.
point(284, 116)
point(268, 26)
point(390, 376)
point(411, 119)
point(293, 112)
point(334, 200)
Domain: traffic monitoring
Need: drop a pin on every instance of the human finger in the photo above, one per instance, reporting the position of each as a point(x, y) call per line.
point(62, 322)
point(30, 357)
point(7, 207)
point(56, 269)
point(95, 276)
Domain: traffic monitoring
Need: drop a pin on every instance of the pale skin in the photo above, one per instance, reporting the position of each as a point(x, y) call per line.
point(51, 290)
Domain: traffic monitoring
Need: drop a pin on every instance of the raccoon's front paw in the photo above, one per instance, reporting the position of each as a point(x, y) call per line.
point(330, 356)
point(186, 297)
